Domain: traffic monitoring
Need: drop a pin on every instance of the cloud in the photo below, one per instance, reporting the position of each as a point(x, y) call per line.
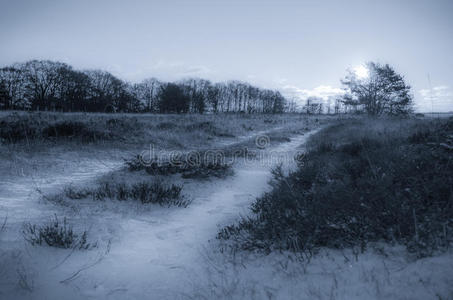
point(439, 98)
point(167, 71)
point(437, 92)
point(322, 91)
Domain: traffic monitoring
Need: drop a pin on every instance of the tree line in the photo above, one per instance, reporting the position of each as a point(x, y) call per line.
point(54, 86)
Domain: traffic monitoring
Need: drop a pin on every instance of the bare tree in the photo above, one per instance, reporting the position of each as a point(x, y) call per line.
point(12, 84)
point(43, 79)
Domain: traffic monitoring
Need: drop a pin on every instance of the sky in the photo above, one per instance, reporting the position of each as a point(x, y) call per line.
point(302, 48)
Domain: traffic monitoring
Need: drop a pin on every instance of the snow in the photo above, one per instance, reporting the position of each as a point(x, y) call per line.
point(171, 253)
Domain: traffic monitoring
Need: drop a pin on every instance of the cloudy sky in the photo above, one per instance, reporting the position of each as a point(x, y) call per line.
point(301, 47)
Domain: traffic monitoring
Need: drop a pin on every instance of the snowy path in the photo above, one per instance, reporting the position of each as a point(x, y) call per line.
point(18, 196)
point(154, 255)
point(159, 255)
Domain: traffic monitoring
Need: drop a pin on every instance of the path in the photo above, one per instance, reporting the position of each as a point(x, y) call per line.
point(157, 255)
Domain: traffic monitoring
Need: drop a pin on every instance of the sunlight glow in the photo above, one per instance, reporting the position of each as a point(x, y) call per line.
point(361, 72)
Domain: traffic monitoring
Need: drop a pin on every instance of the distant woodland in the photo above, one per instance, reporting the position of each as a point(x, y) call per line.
point(54, 86)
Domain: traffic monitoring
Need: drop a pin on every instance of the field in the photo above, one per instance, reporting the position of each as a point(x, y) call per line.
point(158, 206)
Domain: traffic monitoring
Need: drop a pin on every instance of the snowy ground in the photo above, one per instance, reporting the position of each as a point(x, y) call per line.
point(171, 253)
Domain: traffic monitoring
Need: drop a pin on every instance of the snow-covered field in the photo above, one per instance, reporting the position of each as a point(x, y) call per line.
point(150, 252)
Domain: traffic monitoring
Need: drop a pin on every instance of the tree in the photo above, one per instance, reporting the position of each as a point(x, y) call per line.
point(74, 89)
point(43, 80)
point(107, 92)
point(172, 99)
point(147, 93)
point(383, 91)
point(313, 105)
point(12, 85)
point(4, 98)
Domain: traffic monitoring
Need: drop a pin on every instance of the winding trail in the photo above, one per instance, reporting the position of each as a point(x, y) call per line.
point(158, 254)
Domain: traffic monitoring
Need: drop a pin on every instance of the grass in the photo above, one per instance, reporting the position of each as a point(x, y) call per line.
point(360, 181)
point(164, 131)
point(331, 274)
point(144, 191)
point(30, 142)
point(17, 128)
point(195, 164)
point(57, 234)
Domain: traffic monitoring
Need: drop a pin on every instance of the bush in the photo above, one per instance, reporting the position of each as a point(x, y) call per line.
point(55, 234)
point(373, 184)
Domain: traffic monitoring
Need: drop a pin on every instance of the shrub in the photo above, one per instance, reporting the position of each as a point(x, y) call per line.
point(366, 187)
point(56, 234)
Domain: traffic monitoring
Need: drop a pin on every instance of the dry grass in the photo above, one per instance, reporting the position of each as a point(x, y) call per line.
point(164, 131)
point(382, 272)
point(362, 180)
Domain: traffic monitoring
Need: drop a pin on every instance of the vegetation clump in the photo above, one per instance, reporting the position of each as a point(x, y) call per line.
point(390, 181)
point(56, 234)
point(13, 131)
point(74, 129)
point(197, 164)
point(208, 127)
point(145, 192)
point(17, 128)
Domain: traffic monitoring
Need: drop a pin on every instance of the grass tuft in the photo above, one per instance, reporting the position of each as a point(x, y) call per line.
point(196, 164)
point(145, 192)
point(56, 234)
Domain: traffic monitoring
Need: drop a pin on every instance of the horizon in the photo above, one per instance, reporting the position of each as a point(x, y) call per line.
point(299, 48)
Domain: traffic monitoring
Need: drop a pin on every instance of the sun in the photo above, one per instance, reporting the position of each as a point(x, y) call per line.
point(361, 72)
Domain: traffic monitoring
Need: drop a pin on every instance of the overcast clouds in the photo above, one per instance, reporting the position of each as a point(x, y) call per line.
point(300, 47)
